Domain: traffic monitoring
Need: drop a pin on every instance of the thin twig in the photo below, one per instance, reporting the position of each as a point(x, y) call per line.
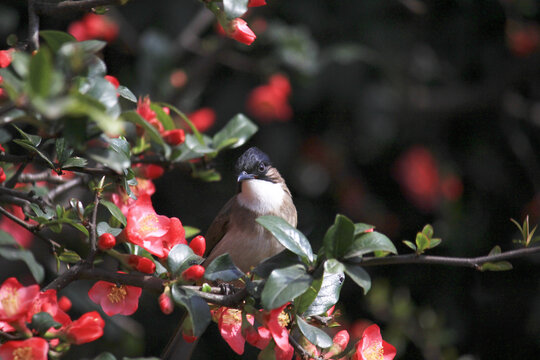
point(60, 189)
point(475, 262)
point(64, 7)
point(299, 348)
point(32, 228)
point(66, 278)
point(92, 229)
point(43, 176)
point(30, 197)
point(15, 178)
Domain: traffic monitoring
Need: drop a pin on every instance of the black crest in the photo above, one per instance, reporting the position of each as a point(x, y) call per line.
point(251, 161)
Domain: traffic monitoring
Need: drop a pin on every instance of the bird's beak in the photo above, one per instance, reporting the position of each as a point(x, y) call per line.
point(245, 176)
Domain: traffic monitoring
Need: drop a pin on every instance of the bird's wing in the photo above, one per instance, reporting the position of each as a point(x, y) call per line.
point(219, 227)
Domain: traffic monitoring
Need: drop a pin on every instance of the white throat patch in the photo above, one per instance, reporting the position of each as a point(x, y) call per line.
point(261, 196)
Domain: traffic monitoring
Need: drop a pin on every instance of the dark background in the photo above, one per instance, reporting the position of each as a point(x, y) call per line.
point(371, 80)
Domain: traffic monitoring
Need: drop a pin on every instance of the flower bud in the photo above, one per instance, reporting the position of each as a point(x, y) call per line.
point(165, 303)
point(198, 245)
point(193, 273)
point(240, 31)
point(106, 241)
point(189, 338)
point(142, 264)
point(174, 137)
point(5, 57)
point(340, 341)
point(64, 303)
point(114, 81)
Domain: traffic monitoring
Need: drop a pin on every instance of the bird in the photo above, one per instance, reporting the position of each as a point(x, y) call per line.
point(261, 191)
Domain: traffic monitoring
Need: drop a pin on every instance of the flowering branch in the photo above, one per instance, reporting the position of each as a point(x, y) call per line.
point(475, 262)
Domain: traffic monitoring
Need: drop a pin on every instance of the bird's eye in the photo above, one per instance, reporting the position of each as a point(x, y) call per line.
point(262, 167)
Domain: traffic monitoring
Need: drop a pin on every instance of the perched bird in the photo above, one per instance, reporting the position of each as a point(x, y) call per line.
point(261, 191)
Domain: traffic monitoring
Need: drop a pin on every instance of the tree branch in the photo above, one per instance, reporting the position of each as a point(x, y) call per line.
point(475, 262)
point(92, 229)
point(15, 178)
point(68, 6)
point(43, 176)
point(146, 282)
point(57, 191)
point(30, 197)
point(33, 25)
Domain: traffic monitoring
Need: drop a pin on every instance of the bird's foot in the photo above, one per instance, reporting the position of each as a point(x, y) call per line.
point(226, 288)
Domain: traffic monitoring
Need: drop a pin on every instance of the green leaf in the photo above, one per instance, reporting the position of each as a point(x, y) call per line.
point(103, 228)
point(197, 308)
point(164, 118)
point(20, 63)
point(181, 257)
point(25, 144)
point(314, 335)
point(55, 39)
point(193, 144)
point(496, 266)
point(235, 8)
point(359, 276)
point(360, 228)
point(422, 242)
point(40, 76)
point(25, 255)
point(239, 128)
point(287, 235)
point(126, 93)
point(103, 91)
point(191, 231)
point(74, 162)
point(434, 242)
point(369, 242)
point(62, 153)
point(193, 128)
point(428, 231)
point(92, 46)
point(409, 244)
point(42, 322)
point(114, 210)
point(339, 237)
point(302, 302)
point(223, 268)
point(69, 256)
point(34, 140)
point(208, 175)
point(7, 239)
point(284, 285)
point(280, 260)
point(133, 117)
point(114, 160)
point(328, 294)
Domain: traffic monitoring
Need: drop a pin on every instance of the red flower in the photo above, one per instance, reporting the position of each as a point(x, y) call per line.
point(452, 187)
point(115, 299)
point(523, 39)
point(193, 273)
point(269, 102)
point(143, 108)
point(20, 234)
point(260, 337)
point(106, 241)
point(2, 175)
point(155, 233)
point(230, 327)
point(93, 26)
point(121, 199)
point(87, 328)
point(16, 300)
point(239, 30)
point(174, 137)
point(417, 173)
point(254, 3)
point(340, 341)
point(203, 119)
point(142, 264)
point(148, 171)
point(46, 301)
point(373, 347)
point(276, 322)
point(5, 57)
point(198, 245)
point(165, 303)
point(114, 81)
point(35, 348)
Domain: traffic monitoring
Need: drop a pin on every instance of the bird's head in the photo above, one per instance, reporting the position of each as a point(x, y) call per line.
point(255, 165)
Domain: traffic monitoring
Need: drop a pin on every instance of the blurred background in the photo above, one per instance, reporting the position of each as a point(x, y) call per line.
point(401, 113)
